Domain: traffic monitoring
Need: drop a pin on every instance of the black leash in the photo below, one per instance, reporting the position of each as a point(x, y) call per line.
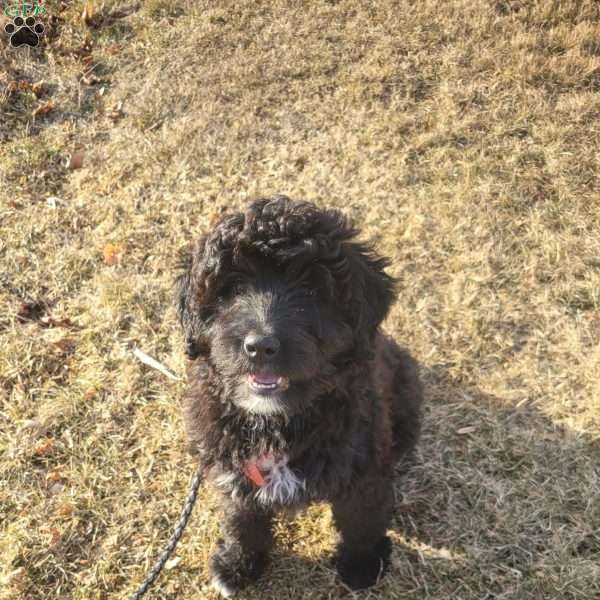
point(177, 532)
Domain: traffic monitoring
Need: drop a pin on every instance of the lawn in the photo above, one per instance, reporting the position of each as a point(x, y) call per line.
point(463, 136)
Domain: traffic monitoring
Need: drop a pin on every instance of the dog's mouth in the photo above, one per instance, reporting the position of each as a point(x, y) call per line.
point(267, 384)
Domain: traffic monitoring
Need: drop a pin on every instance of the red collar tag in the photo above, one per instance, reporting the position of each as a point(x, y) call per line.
point(253, 473)
point(254, 469)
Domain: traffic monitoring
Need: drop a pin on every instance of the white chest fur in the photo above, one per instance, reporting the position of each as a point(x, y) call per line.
point(280, 484)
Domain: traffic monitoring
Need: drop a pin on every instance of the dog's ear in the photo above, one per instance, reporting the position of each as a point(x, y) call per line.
point(371, 293)
point(189, 299)
point(198, 284)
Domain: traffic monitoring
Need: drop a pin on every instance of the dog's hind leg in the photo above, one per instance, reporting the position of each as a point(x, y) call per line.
point(243, 551)
point(362, 519)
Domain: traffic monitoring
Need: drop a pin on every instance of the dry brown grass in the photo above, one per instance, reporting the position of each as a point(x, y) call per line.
point(464, 137)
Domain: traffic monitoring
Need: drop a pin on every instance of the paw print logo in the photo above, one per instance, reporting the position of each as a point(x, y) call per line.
point(24, 31)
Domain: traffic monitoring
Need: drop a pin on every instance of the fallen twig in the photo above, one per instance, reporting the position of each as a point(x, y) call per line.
point(151, 362)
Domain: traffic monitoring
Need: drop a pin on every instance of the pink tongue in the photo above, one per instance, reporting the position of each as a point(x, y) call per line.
point(265, 378)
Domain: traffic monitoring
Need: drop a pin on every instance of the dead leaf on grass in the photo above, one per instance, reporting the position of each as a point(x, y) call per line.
point(43, 109)
point(65, 510)
point(55, 536)
point(76, 159)
point(66, 345)
point(90, 393)
point(112, 254)
point(36, 88)
point(44, 447)
point(54, 476)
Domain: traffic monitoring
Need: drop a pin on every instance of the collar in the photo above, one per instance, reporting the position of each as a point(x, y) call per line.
point(253, 473)
point(256, 469)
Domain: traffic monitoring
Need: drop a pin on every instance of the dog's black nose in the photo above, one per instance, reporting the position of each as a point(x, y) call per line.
point(261, 346)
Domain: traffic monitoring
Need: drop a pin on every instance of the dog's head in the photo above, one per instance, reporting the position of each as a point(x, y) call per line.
point(279, 298)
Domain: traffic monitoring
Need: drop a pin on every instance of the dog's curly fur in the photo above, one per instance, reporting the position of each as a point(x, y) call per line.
point(325, 407)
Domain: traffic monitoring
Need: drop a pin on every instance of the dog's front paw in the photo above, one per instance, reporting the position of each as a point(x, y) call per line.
point(232, 570)
point(359, 570)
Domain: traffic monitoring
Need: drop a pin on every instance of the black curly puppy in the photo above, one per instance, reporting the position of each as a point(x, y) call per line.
point(295, 395)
